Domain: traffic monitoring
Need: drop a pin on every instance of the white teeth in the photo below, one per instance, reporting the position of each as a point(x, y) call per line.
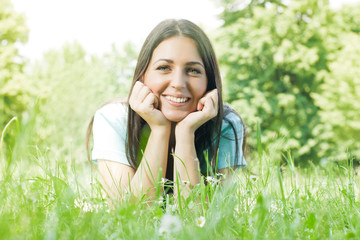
point(175, 99)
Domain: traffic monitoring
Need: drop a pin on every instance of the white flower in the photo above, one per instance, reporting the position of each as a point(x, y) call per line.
point(211, 180)
point(253, 177)
point(186, 182)
point(169, 224)
point(160, 200)
point(221, 175)
point(163, 181)
point(200, 221)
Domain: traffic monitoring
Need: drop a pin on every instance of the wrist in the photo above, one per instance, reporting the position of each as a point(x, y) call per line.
point(161, 129)
point(184, 135)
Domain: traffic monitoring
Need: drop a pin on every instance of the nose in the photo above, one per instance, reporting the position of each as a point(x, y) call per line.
point(179, 79)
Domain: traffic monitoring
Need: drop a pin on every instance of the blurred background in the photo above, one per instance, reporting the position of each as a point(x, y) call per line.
point(291, 68)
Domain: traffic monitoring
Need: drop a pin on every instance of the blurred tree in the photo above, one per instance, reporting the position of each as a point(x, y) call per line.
point(273, 55)
point(15, 89)
point(76, 84)
point(339, 102)
point(350, 16)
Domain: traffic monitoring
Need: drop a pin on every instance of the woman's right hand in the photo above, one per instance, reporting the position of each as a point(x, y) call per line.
point(145, 103)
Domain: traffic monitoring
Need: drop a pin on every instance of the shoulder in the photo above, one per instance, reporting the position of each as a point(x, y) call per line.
point(232, 122)
point(113, 111)
point(112, 114)
point(113, 108)
point(109, 133)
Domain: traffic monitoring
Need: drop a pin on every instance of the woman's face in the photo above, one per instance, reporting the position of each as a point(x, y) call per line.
point(176, 75)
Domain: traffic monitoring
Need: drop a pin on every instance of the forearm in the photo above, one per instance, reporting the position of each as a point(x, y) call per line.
point(186, 163)
point(153, 163)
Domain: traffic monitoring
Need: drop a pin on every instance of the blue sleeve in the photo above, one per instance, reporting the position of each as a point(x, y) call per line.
point(228, 145)
point(109, 133)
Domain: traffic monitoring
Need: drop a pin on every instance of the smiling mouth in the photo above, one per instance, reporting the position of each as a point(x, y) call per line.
point(177, 100)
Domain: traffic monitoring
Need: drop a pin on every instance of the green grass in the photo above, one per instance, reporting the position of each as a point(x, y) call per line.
point(55, 194)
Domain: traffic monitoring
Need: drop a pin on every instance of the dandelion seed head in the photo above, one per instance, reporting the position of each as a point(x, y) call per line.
point(169, 224)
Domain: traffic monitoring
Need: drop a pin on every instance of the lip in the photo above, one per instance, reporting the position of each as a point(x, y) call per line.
point(177, 95)
point(175, 104)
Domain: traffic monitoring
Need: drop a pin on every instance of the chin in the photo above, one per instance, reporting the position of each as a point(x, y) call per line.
point(175, 116)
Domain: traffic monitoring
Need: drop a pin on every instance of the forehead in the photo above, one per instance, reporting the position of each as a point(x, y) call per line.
point(177, 48)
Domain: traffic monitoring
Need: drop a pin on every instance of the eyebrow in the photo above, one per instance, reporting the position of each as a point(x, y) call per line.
point(187, 64)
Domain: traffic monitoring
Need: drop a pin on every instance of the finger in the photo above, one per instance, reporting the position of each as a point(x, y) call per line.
point(137, 87)
point(201, 103)
point(199, 106)
point(144, 91)
point(215, 98)
point(212, 100)
point(209, 104)
point(157, 102)
point(150, 100)
point(135, 91)
point(211, 94)
point(210, 109)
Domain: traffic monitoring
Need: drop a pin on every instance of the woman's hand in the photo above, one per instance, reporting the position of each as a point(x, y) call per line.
point(207, 109)
point(145, 103)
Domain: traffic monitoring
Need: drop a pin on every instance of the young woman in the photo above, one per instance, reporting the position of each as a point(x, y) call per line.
point(174, 124)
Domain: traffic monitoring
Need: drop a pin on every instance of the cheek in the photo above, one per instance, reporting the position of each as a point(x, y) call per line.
point(199, 89)
point(156, 85)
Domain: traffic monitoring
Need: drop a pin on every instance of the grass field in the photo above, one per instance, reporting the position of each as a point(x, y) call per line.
point(54, 194)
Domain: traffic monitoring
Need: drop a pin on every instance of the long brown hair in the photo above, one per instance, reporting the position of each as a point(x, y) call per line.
point(164, 30)
point(205, 135)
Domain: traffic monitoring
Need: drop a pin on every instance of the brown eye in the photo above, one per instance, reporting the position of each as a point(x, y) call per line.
point(163, 68)
point(193, 71)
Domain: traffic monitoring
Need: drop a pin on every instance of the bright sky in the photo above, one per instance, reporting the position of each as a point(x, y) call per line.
point(96, 24)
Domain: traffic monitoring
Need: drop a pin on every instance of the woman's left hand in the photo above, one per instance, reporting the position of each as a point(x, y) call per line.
point(207, 109)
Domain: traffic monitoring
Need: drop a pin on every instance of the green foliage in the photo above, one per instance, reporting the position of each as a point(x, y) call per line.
point(74, 85)
point(53, 198)
point(350, 15)
point(54, 100)
point(338, 100)
point(15, 89)
point(276, 59)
